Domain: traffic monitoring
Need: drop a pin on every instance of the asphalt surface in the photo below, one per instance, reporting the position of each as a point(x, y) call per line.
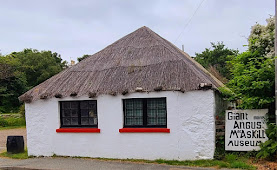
point(83, 164)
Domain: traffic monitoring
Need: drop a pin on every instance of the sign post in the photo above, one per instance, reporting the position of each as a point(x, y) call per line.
point(245, 129)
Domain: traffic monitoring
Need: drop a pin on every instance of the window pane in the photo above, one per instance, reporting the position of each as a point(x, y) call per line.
point(134, 121)
point(128, 121)
point(74, 121)
point(92, 105)
point(156, 103)
point(138, 113)
point(161, 121)
point(66, 105)
point(151, 121)
point(151, 104)
point(74, 105)
point(152, 113)
point(133, 112)
point(74, 113)
point(139, 121)
point(129, 112)
point(78, 113)
point(138, 104)
point(66, 113)
point(161, 113)
point(92, 113)
point(156, 112)
point(161, 103)
point(84, 113)
point(92, 121)
point(66, 121)
point(129, 104)
point(84, 121)
point(84, 105)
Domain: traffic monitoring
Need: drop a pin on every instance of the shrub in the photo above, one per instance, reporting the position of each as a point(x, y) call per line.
point(12, 121)
point(220, 152)
point(22, 111)
point(19, 121)
point(3, 122)
point(231, 157)
point(269, 147)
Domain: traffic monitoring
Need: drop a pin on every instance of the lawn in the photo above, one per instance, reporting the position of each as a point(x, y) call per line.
point(23, 155)
point(12, 127)
point(211, 163)
point(230, 161)
point(11, 121)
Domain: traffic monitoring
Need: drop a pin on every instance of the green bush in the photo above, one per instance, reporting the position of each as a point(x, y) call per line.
point(241, 165)
point(220, 152)
point(22, 111)
point(269, 147)
point(231, 157)
point(3, 122)
point(16, 121)
point(12, 121)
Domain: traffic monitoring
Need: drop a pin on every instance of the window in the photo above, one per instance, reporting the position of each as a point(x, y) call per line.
point(79, 113)
point(150, 112)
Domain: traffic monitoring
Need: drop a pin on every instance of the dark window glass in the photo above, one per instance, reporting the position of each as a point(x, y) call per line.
point(66, 121)
point(74, 105)
point(74, 113)
point(134, 112)
point(74, 121)
point(79, 113)
point(156, 113)
point(145, 112)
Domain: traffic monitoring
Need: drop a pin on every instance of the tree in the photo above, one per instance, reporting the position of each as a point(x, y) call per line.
point(252, 71)
point(261, 38)
point(12, 84)
point(83, 57)
point(20, 71)
point(38, 65)
point(215, 60)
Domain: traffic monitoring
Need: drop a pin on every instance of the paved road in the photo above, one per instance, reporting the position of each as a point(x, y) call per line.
point(84, 164)
point(11, 132)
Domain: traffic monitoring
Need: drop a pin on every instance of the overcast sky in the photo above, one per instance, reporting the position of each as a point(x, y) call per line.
point(73, 28)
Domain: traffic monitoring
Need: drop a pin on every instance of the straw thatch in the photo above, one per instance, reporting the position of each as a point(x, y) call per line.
point(141, 60)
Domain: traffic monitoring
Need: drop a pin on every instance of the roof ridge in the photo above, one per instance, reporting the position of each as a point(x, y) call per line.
point(129, 66)
point(110, 45)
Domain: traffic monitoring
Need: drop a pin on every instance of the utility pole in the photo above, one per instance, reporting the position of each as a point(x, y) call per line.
point(275, 54)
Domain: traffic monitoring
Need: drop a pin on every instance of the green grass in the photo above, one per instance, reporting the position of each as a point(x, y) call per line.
point(209, 163)
point(230, 161)
point(202, 163)
point(12, 121)
point(12, 127)
point(23, 155)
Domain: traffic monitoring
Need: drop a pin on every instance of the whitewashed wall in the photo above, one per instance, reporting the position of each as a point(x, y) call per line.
point(190, 118)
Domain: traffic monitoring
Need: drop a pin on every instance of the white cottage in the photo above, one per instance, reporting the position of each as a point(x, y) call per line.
point(140, 97)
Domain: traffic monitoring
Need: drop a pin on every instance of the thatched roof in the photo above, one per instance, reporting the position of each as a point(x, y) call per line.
point(140, 61)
